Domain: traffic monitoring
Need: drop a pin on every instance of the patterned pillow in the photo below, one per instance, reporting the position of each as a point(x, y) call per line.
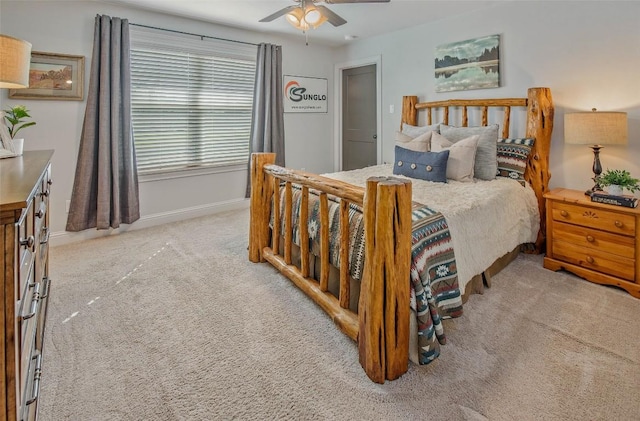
point(430, 166)
point(485, 161)
point(513, 155)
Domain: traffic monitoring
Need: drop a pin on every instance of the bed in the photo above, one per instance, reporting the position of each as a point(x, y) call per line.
point(373, 215)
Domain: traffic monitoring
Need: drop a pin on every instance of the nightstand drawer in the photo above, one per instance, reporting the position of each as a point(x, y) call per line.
point(595, 239)
point(602, 219)
point(597, 260)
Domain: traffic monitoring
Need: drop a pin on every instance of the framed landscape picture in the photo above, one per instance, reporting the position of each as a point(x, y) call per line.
point(469, 64)
point(53, 76)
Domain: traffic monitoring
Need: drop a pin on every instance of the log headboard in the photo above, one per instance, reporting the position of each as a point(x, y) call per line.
point(539, 125)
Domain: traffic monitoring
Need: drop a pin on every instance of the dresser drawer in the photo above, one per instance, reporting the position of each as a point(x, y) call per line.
point(26, 247)
point(595, 239)
point(29, 402)
point(597, 260)
point(28, 328)
point(601, 219)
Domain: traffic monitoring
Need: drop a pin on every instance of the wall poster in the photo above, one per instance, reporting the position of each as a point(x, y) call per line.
point(470, 64)
point(304, 94)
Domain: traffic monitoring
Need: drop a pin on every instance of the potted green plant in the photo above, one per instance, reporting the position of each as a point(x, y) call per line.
point(15, 117)
point(617, 180)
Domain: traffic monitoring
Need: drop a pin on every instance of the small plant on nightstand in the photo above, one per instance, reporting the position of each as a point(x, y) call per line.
point(621, 178)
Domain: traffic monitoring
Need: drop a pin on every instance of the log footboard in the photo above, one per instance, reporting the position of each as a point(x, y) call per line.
point(381, 325)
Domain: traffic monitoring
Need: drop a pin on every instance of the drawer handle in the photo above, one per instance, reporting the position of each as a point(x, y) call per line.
point(45, 193)
point(49, 181)
point(40, 213)
point(28, 242)
point(34, 302)
point(590, 259)
point(47, 285)
point(47, 233)
point(564, 213)
point(618, 224)
point(590, 239)
point(37, 374)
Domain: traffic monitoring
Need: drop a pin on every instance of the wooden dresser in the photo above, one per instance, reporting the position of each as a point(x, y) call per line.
point(24, 231)
point(595, 241)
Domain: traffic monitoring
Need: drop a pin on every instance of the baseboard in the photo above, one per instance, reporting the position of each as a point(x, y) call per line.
point(66, 237)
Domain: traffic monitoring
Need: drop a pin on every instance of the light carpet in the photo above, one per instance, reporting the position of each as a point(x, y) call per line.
point(174, 323)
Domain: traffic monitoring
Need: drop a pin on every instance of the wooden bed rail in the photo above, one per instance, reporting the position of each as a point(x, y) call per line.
point(540, 112)
point(381, 326)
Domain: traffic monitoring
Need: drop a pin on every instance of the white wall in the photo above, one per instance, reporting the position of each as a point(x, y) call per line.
point(66, 27)
point(588, 53)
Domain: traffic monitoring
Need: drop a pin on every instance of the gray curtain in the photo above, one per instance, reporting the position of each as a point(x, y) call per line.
point(267, 121)
point(105, 188)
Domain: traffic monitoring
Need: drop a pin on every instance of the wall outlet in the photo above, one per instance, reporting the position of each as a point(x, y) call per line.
point(67, 204)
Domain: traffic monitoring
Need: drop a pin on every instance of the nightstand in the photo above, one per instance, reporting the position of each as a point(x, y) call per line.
point(595, 241)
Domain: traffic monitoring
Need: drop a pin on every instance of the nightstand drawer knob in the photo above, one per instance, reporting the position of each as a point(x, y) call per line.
point(564, 213)
point(590, 259)
point(590, 239)
point(618, 224)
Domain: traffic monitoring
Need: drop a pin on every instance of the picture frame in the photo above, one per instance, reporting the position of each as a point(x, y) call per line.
point(468, 64)
point(53, 76)
point(305, 94)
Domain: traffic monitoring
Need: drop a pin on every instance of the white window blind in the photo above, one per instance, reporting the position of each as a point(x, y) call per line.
point(191, 100)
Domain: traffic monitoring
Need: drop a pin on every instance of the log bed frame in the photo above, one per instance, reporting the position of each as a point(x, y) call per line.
point(381, 324)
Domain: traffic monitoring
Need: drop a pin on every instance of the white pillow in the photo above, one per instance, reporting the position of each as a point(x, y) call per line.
point(415, 131)
point(421, 143)
point(462, 155)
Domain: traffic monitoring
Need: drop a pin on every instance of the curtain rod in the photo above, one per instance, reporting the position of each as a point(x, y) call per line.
point(189, 33)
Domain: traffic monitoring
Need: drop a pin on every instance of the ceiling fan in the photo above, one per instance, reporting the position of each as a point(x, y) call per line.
point(309, 14)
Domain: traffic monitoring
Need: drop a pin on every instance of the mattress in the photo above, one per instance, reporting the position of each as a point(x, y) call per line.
point(487, 219)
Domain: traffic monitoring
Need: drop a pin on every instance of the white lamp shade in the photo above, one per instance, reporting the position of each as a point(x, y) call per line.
point(294, 17)
point(15, 57)
point(314, 17)
point(596, 128)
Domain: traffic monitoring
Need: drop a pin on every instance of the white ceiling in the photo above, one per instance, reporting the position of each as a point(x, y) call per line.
point(363, 19)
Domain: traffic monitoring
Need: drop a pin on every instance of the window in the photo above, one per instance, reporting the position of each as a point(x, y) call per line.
point(191, 100)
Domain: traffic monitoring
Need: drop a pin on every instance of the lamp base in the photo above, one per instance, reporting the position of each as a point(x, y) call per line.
point(593, 190)
point(597, 170)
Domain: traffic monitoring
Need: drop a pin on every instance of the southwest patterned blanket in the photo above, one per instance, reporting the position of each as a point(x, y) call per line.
point(434, 281)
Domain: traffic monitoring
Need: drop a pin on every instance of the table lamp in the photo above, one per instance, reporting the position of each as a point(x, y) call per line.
point(15, 59)
point(595, 128)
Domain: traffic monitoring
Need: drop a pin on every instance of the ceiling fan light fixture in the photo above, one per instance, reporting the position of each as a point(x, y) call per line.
point(313, 16)
point(295, 17)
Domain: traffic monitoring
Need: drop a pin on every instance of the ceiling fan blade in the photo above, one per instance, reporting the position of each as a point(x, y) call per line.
point(332, 18)
point(355, 1)
point(277, 14)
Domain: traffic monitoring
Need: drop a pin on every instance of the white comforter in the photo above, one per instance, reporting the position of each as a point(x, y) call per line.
point(487, 219)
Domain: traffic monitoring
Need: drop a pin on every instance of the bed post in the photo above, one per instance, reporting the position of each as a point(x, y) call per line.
point(409, 112)
point(261, 192)
point(540, 112)
point(383, 309)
